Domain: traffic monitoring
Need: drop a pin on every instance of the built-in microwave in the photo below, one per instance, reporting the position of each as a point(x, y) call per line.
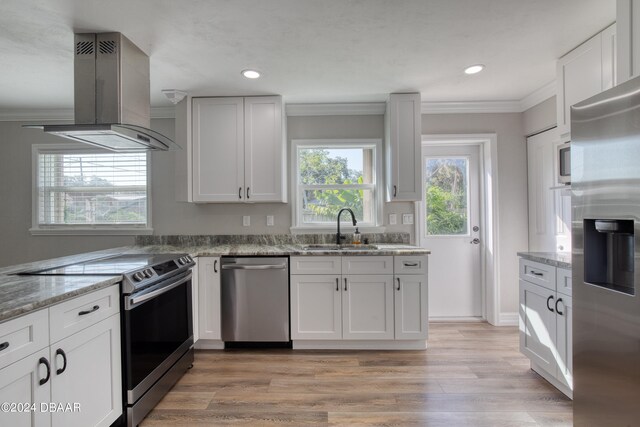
point(564, 163)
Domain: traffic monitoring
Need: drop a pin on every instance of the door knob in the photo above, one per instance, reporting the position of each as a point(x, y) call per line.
point(475, 241)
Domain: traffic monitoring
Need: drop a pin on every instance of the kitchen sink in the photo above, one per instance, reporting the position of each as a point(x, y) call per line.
point(334, 247)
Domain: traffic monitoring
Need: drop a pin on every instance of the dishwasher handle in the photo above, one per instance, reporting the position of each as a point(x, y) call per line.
point(254, 267)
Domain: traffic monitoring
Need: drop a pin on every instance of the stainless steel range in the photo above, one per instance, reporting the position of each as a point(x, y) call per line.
point(157, 330)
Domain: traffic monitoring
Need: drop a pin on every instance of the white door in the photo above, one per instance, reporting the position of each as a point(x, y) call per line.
point(316, 307)
point(367, 307)
point(450, 228)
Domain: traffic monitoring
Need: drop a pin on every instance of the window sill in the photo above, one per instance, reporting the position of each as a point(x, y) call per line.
point(343, 229)
point(90, 231)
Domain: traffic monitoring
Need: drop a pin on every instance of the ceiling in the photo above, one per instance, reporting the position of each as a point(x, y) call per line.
point(308, 50)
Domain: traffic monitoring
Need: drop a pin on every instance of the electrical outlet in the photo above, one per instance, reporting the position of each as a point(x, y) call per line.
point(246, 220)
point(407, 219)
point(270, 221)
point(393, 219)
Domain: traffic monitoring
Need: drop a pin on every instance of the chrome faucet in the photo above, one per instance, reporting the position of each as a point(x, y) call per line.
point(339, 236)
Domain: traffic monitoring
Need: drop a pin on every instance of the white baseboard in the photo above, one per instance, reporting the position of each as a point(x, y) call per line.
point(508, 319)
point(359, 345)
point(446, 319)
point(209, 345)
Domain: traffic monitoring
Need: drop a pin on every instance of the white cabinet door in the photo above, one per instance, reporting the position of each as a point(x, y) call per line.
point(411, 305)
point(403, 146)
point(316, 312)
point(628, 39)
point(579, 77)
point(264, 168)
point(609, 64)
point(367, 307)
point(20, 384)
point(85, 369)
point(209, 298)
point(564, 339)
point(218, 149)
point(540, 161)
point(538, 325)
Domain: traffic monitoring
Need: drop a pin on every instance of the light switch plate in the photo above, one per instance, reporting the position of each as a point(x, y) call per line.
point(407, 219)
point(246, 220)
point(393, 219)
point(270, 221)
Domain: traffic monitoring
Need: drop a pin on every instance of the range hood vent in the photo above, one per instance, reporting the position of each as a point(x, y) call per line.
point(111, 96)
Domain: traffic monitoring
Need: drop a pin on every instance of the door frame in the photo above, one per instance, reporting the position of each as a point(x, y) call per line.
point(489, 260)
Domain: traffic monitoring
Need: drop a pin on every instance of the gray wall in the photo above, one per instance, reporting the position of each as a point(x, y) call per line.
point(540, 117)
point(512, 187)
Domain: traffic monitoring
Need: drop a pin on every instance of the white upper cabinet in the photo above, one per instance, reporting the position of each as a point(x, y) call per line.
point(238, 150)
point(403, 146)
point(628, 39)
point(585, 71)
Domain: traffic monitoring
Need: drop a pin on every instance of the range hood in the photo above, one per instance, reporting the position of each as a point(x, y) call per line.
point(111, 96)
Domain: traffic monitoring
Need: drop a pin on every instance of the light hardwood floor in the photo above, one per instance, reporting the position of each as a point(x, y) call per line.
point(472, 374)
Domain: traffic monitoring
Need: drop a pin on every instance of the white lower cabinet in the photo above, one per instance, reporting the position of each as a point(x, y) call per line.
point(349, 305)
point(209, 322)
point(75, 380)
point(546, 332)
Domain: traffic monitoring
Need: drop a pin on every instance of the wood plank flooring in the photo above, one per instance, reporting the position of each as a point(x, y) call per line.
point(472, 374)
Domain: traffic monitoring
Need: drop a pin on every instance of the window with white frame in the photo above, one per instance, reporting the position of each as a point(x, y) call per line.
point(88, 188)
point(335, 174)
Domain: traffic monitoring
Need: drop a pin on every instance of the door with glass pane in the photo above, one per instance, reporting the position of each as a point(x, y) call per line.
point(450, 228)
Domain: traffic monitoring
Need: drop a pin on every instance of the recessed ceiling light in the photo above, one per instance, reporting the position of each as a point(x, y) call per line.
point(251, 74)
point(473, 69)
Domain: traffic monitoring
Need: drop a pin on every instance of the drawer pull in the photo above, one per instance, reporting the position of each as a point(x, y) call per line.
point(395, 190)
point(45, 362)
point(64, 361)
point(398, 283)
point(215, 266)
point(345, 283)
point(4, 345)
point(94, 308)
point(549, 299)
point(240, 193)
point(337, 284)
point(410, 264)
point(535, 273)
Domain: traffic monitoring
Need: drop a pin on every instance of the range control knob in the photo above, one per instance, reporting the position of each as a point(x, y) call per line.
point(138, 276)
point(181, 261)
point(148, 273)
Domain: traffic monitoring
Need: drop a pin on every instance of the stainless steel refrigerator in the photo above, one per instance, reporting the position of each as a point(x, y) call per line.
point(605, 181)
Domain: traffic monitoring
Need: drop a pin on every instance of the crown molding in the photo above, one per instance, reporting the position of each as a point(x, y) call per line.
point(470, 107)
point(66, 114)
point(537, 96)
point(337, 109)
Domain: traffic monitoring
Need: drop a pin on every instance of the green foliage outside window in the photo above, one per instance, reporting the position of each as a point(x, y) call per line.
point(446, 197)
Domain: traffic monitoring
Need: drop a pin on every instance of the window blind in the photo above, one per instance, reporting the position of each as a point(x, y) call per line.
point(91, 188)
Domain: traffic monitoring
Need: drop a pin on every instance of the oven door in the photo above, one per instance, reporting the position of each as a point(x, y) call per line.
point(157, 331)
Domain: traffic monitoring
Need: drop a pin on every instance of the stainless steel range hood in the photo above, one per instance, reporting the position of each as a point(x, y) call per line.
point(111, 96)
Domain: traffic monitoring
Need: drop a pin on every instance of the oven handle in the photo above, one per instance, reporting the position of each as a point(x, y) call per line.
point(254, 267)
point(133, 301)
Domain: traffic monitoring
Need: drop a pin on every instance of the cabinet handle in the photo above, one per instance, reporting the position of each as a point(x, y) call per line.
point(410, 264)
point(239, 192)
point(215, 266)
point(398, 283)
point(558, 311)
point(395, 190)
point(549, 299)
point(247, 192)
point(64, 361)
point(535, 273)
point(45, 362)
point(4, 345)
point(337, 284)
point(345, 283)
point(94, 308)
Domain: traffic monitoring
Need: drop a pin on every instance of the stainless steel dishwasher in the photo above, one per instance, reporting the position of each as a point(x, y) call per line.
point(255, 299)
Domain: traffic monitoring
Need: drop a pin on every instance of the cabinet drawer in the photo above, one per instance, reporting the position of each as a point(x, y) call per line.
point(538, 273)
point(410, 264)
point(367, 264)
point(72, 316)
point(563, 281)
point(23, 336)
point(315, 265)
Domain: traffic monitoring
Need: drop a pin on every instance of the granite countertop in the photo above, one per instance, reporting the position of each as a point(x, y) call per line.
point(22, 294)
point(556, 259)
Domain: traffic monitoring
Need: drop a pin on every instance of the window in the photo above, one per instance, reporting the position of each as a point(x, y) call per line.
point(84, 188)
point(447, 198)
point(335, 174)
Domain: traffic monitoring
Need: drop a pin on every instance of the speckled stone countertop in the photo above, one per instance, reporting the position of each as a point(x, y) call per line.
point(22, 294)
point(557, 259)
